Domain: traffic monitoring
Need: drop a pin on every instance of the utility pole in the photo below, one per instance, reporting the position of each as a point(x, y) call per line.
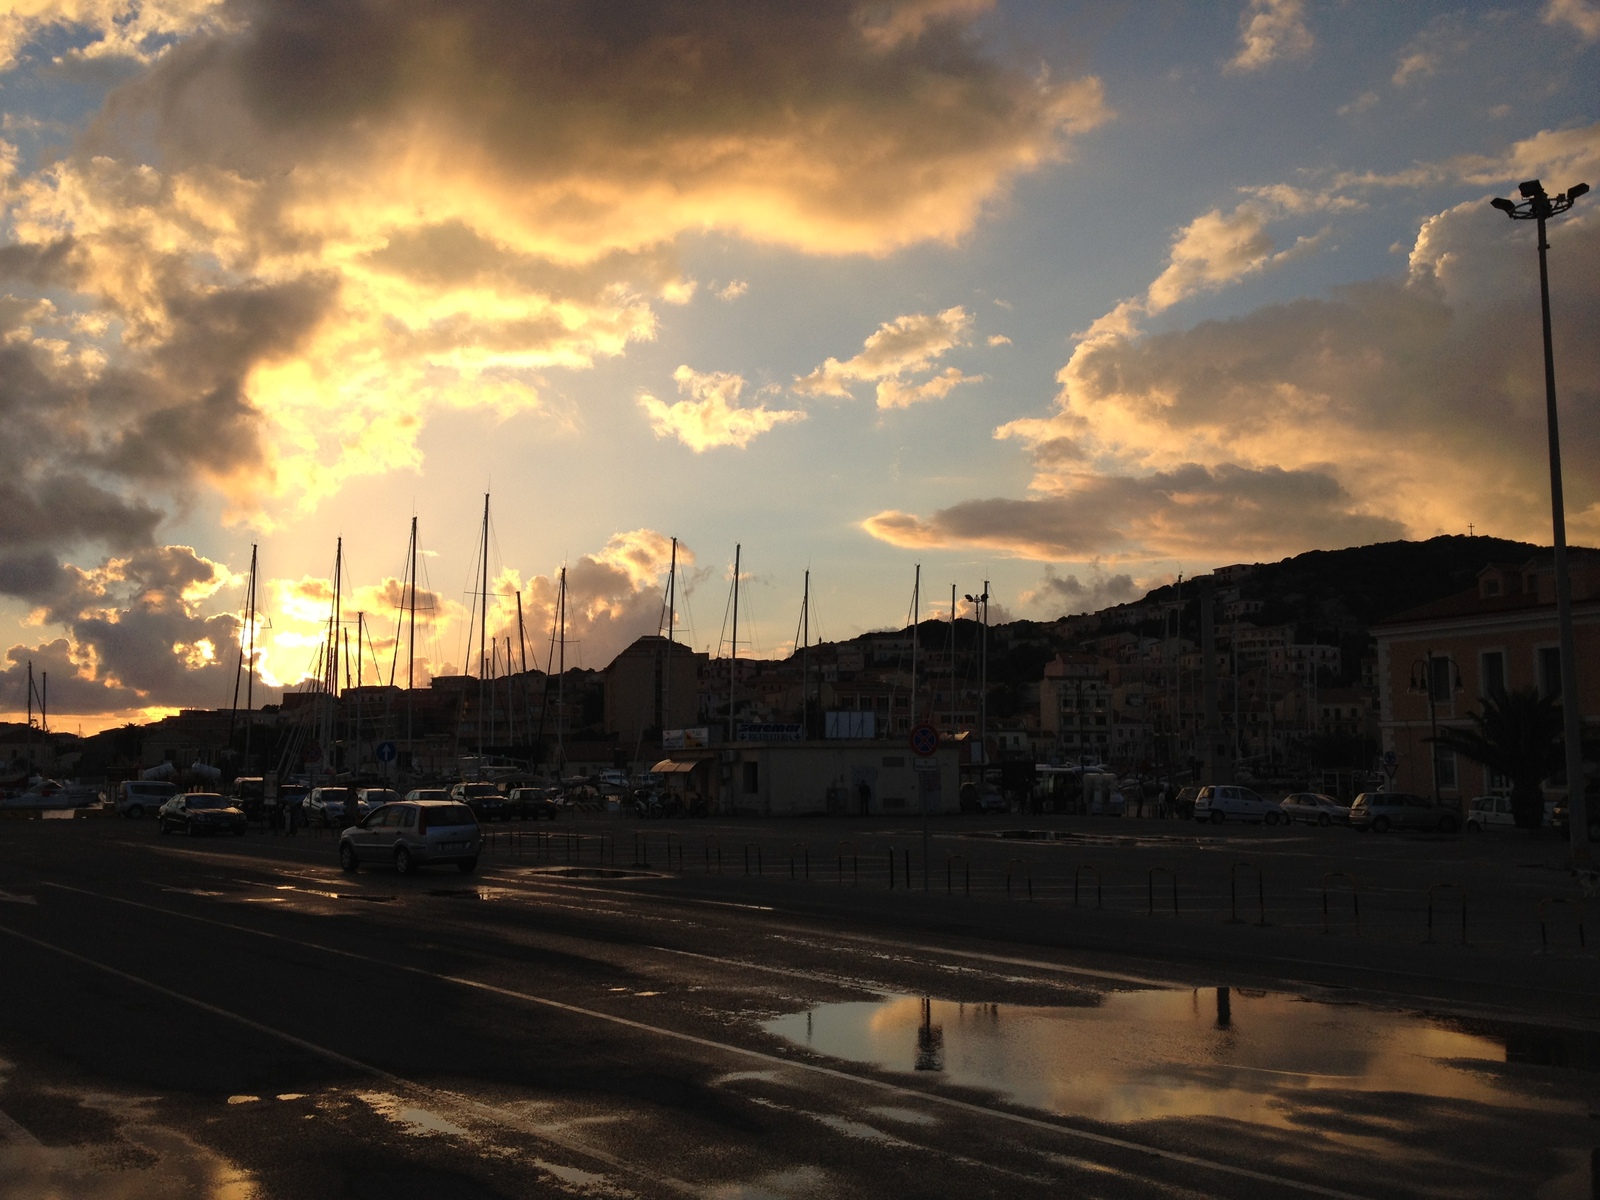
point(1537, 206)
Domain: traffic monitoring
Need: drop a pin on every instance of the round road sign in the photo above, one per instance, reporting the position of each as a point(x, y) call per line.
point(385, 752)
point(925, 740)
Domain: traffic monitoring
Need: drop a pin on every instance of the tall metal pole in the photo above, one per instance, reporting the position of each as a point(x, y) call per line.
point(1538, 206)
point(483, 621)
point(733, 650)
point(805, 658)
point(916, 618)
point(672, 607)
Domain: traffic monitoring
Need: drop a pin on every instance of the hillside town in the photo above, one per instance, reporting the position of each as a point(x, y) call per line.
point(1275, 675)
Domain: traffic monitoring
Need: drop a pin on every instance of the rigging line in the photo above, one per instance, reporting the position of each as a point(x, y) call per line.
point(400, 601)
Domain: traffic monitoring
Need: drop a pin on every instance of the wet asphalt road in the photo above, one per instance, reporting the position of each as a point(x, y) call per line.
point(235, 1018)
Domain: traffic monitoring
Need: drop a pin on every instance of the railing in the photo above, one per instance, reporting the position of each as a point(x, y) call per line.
point(1233, 894)
point(748, 846)
point(805, 851)
point(641, 846)
point(949, 873)
point(712, 841)
point(855, 863)
point(1355, 899)
point(1027, 873)
point(1575, 903)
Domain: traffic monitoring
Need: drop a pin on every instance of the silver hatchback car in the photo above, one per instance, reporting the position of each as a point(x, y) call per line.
point(1382, 811)
point(411, 834)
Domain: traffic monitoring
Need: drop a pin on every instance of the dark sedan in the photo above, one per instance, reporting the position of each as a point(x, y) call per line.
point(201, 812)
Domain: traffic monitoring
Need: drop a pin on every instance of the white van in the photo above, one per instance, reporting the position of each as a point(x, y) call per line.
point(136, 797)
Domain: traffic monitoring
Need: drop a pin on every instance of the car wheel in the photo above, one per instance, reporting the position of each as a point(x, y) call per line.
point(135, 811)
point(1324, 819)
point(348, 862)
point(1380, 824)
point(1447, 824)
point(1216, 816)
point(161, 824)
point(1270, 818)
point(467, 866)
point(239, 832)
point(403, 862)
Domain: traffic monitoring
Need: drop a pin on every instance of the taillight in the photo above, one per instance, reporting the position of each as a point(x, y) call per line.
point(422, 821)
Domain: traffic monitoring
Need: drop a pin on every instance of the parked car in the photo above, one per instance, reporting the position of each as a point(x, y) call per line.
point(428, 794)
point(413, 834)
point(368, 799)
point(1183, 803)
point(1230, 802)
point(1382, 811)
point(249, 793)
point(1490, 812)
point(139, 796)
point(1314, 809)
point(531, 803)
point(484, 799)
point(325, 805)
point(201, 812)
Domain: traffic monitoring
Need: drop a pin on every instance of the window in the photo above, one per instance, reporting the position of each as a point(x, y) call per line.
point(1440, 677)
point(1444, 766)
point(752, 779)
point(1492, 673)
point(1550, 671)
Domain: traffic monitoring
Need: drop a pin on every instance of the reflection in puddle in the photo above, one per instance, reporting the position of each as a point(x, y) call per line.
point(1250, 1056)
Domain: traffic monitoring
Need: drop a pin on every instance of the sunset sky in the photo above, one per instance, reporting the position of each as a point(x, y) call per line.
point(1072, 297)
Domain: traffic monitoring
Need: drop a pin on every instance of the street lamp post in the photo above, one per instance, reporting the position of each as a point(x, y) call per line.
point(980, 606)
point(1422, 680)
point(1536, 206)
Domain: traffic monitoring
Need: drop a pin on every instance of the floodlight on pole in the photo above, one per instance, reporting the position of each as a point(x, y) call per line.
point(1537, 206)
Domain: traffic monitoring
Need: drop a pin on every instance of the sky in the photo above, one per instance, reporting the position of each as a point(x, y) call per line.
point(1068, 298)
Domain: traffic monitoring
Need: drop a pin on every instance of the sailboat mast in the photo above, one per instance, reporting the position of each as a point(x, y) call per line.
point(250, 677)
point(805, 658)
point(916, 617)
point(522, 681)
point(483, 620)
point(672, 607)
point(561, 679)
point(411, 642)
point(733, 649)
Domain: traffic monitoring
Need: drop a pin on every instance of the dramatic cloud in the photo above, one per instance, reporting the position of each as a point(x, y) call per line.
point(1067, 594)
point(135, 29)
point(1190, 511)
point(900, 348)
point(1270, 30)
point(1581, 15)
point(139, 636)
point(712, 416)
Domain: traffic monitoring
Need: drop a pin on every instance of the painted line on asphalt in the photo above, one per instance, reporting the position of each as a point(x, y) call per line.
point(483, 1109)
point(1068, 1131)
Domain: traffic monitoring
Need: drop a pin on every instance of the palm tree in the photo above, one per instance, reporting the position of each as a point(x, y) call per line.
point(1517, 736)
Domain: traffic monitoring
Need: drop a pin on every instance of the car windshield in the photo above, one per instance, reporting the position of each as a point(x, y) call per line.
point(450, 814)
point(204, 800)
point(337, 795)
point(477, 790)
point(381, 797)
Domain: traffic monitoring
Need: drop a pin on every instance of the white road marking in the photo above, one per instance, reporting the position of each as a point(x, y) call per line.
point(481, 1108)
point(834, 1073)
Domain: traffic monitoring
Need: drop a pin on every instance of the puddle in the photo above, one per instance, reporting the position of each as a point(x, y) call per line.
point(1419, 1090)
point(413, 1120)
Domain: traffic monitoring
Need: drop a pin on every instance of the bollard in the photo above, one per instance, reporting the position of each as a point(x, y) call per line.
point(1461, 892)
point(855, 863)
point(605, 839)
point(805, 850)
point(905, 855)
point(1355, 899)
point(1150, 889)
point(1099, 890)
point(966, 868)
point(1027, 872)
point(747, 848)
point(1544, 937)
point(710, 838)
point(641, 849)
point(1233, 894)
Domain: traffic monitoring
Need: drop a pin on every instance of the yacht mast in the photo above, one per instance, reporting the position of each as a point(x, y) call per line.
point(805, 658)
point(672, 606)
point(733, 648)
point(483, 621)
point(916, 616)
point(561, 680)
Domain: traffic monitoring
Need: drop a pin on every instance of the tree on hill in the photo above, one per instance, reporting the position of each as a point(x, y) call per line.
point(1517, 735)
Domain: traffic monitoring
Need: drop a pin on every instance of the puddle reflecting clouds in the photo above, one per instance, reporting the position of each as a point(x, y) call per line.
point(1250, 1056)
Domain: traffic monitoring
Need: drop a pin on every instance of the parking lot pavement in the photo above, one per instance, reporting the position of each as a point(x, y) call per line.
point(235, 1017)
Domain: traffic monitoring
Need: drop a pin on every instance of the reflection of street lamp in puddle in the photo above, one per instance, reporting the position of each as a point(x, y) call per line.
point(930, 1041)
